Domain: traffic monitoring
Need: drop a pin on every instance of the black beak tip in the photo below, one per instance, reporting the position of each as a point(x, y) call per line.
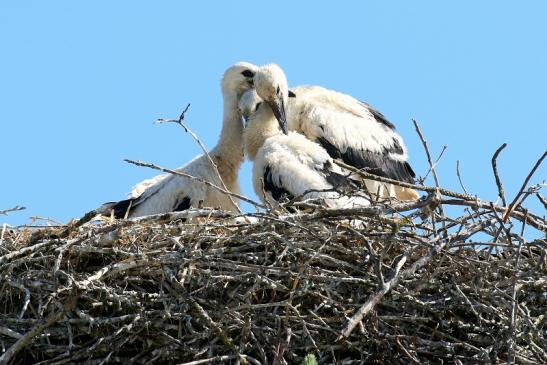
point(284, 128)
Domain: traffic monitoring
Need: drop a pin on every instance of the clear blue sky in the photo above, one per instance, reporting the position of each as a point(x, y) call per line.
point(81, 84)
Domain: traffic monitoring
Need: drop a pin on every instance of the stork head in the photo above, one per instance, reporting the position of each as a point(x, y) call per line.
point(249, 104)
point(271, 85)
point(238, 78)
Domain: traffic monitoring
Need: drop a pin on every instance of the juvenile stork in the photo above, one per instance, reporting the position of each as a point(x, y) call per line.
point(166, 193)
point(289, 166)
point(348, 129)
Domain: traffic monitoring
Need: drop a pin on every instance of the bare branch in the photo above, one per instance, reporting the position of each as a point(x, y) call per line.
point(459, 177)
point(501, 191)
point(513, 204)
point(431, 167)
point(180, 121)
point(14, 209)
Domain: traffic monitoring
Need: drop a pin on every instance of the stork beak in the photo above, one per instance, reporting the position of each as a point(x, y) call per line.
point(278, 108)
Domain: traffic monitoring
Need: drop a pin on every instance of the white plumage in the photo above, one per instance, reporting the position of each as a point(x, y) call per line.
point(166, 193)
point(348, 129)
point(288, 166)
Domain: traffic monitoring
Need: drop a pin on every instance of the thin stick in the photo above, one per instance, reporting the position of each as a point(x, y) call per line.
point(216, 360)
point(14, 209)
point(496, 175)
point(373, 299)
point(429, 160)
point(467, 200)
point(4, 227)
point(205, 182)
point(542, 200)
point(432, 168)
point(180, 122)
point(512, 330)
point(529, 218)
point(459, 176)
point(513, 204)
point(216, 328)
point(436, 162)
point(429, 189)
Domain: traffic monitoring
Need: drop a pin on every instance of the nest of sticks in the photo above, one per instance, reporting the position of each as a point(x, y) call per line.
point(447, 279)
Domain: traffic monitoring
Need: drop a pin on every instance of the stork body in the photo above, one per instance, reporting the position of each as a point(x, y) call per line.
point(166, 193)
point(348, 129)
point(289, 166)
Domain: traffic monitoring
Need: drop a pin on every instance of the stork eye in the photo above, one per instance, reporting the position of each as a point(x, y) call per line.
point(278, 90)
point(257, 106)
point(248, 73)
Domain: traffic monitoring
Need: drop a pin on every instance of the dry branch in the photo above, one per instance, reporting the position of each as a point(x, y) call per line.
point(14, 209)
point(180, 122)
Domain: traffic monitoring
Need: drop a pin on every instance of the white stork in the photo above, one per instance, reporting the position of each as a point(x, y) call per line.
point(348, 129)
point(289, 166)
point(166, 193)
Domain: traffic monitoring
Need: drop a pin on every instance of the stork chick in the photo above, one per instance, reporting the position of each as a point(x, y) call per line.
point(166, 193)
point(348, 129)
point(289, 166)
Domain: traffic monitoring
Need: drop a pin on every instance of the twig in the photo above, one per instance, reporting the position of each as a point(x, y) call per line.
point(227, 341)
point(436, 162)
point(523, 187)
point(430, 189)
point(4, 228)
point(14, 209)
point(533, 220)
point(10, 333)
point(514, 303)
point(27, 296)
point(22, 251)
point(459, 176)
point(432, 168)
point(216, 360)
point(408, 354)
point(467, 200)
point(205, 182)
point(373, 299)
point(501, 191)
point(542, 200)
point(180, 121)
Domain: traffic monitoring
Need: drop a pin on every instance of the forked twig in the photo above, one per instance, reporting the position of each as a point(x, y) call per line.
point(180, 121)
point(432, 168)
point(513, 204)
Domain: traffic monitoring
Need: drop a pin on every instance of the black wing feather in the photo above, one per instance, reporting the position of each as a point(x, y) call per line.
point(278, 192)
point(126, 206)
point(379, 117)
point(375, 163)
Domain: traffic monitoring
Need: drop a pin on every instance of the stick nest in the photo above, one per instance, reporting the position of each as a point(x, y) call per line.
point(377, 285)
